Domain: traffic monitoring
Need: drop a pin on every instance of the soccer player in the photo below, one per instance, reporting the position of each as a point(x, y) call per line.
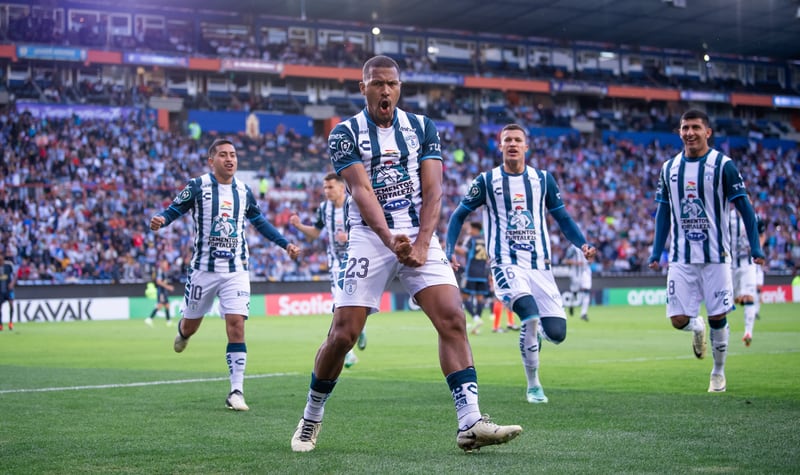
point(220, 205)
point(744, 272)
point(8, 277)
point(331, 216)
point(475, 286)
point(163, 288)
point(694, 190)
point(580, 281)
point(391, 161)
point(515, 197)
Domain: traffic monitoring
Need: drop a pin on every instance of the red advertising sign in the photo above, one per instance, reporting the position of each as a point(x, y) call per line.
point(279, 305)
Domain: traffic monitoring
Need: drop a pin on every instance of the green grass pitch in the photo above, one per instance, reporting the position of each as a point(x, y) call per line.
point(626, 396)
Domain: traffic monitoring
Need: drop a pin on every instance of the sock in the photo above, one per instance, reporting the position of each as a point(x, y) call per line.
point(469, 307)
point(153, 313)
point(585, 300)
point(464, 388)
point(497, 310)
point(529, 349)
point(695, 324)
point(318, 393)
point(749, 317)
point(720, 333)
point(510, 317)
point(166, 312)
point(757, 302)
point(479, 308)
point(236, 358)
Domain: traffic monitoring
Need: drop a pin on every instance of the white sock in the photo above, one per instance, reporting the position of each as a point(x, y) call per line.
point(585, 300)
point(757, 303)
point(529, 350)
point(237, 361)
point(749, 318)
point(315, 405)
point(467, 409)
point(719, 346)
point(695, 325)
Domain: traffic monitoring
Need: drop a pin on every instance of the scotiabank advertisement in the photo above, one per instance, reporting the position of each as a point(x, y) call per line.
point(283, 305)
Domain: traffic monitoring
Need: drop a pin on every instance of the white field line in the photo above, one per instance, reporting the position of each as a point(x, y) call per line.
point(140, 384)
point(690, 357)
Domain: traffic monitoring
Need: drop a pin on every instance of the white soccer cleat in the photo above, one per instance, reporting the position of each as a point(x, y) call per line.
point(235, 401)
point(148, 321)
point(699, 341)
point(305, 436)
point(180, 343)
point(350, 359)
point(747, 339)
point(485, 432)
point(536, 395)
point(717, 383)
point(476, 324)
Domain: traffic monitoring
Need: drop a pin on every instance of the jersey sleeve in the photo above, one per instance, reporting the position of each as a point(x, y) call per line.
point(319, 216)
point(732, 181)
point(552, 198)
point(476, 195)
point(183, 202)
point(431, 145)
point(342, 147)
point(662, 190)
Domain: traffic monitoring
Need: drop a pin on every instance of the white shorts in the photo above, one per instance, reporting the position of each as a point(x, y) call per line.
point(232, 288)
point(512, 282)
point(690, 284)
point(371, 267)
point(582, 281)
point(759, 275)
point(744, 280)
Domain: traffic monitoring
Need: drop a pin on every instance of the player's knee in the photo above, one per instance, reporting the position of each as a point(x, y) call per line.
point(555, 329)
point(526, 308)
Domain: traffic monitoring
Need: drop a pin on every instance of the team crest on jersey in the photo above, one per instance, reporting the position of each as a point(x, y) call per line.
point(520, 218)
point(340, 146)
point(473, 191)
point(184, 195)
point(411, 141)
point(388, 174)
point(350, 286)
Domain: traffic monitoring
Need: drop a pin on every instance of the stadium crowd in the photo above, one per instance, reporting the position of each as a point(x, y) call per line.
point(75, 195)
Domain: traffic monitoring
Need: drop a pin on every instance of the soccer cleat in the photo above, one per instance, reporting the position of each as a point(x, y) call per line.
point(476, 324)
point(169, 323)
point(747, 339)
point(350, 359)
point(305, 436)
point(498, 330)
point(362, 340)
point(699, 341)
point(483, 433)
point(536, 395)
point(1, 327)
point(180, 343)
point(235, 401)
point(717, 383)
point(585, 317)
point(10, 326)
point(148, 321)
point(513, 328)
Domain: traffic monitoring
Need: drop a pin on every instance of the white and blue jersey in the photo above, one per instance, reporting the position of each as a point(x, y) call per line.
point(391, 157)
point(334, 221)
point(219, 212)
point(699, 192)
point(514, 216)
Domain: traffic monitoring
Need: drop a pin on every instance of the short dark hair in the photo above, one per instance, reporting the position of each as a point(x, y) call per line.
point(476, 225)
point(333, 176)
point(379, 61)
point(216, 143)
point(515, 127)
point(696, 114)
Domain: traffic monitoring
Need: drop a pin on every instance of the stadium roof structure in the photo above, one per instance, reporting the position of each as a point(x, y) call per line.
point(765, 28)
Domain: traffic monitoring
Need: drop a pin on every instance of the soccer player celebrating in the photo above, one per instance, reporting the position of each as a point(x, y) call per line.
point(514, 197)
point(695, 188)
point(392, 164)
point(219, 266)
